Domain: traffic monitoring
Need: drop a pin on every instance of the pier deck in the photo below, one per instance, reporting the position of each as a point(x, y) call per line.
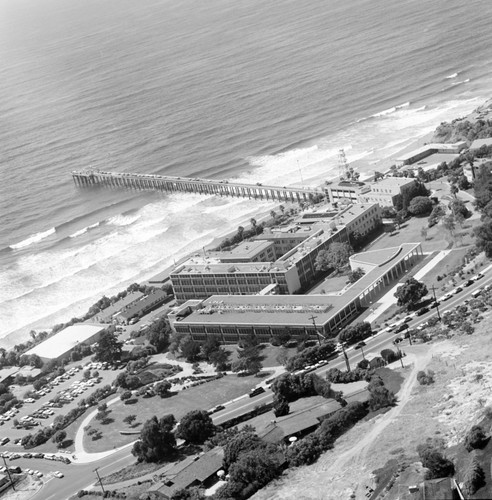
point(193, 185)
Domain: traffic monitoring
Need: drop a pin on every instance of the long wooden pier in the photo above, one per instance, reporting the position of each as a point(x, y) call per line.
point(195, 185)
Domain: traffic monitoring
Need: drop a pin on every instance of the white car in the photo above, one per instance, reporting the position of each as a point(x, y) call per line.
point(58, 474)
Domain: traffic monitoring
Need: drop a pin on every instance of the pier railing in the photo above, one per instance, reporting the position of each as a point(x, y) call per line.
point(193, 185)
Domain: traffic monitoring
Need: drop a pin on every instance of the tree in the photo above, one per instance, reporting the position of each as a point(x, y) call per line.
point(438, 212)
point(483, 237)
point(355, 333)
point(129, 419)
point(220, 359)
point(474, 477)
point(162, 388)
point(244, 441)
point(108, 348)
point(254, 225)
point(410, 293)
point(435, 461)
point(475, 438)
point(157, 440)
point(190, 349)
point(211, 345)
point(59, 437)
point(255, 468)
point(356, 275)
point(336, 257)
point(196, 427)
point(193, 493)
point(175, 342)
point(380, 396)
point(249, 360)
point(158, 335)
point(449, 224)
point(420, 205)
point(280, 406)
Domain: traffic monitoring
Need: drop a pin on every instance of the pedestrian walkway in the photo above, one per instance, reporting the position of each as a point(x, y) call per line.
point(389, 298)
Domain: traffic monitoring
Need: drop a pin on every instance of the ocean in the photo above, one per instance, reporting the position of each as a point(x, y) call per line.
point(251, 90)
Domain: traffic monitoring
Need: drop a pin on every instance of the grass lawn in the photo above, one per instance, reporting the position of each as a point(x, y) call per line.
point(270, 353)
point(202, 397)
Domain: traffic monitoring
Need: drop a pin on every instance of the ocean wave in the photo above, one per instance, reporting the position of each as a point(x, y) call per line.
point(459, 83)
point(454, 75)
point(123, 220)
point(389, 111)
point(34, 238)
point(83, 230)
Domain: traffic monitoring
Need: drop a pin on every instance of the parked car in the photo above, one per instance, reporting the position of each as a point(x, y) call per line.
point(423, 310)
point(256, 391)
point(58, 474)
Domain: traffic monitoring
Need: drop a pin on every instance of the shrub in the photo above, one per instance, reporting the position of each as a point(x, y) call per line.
point(435, 461)
point(474, 477)
point(475, 438)
point(304, 452)
point(425, 378)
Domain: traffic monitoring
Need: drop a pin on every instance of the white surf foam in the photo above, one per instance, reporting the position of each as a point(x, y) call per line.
point(454, 75)
point(34, 238)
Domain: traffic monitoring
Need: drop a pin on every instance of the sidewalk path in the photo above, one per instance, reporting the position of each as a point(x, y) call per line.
point(389, 298)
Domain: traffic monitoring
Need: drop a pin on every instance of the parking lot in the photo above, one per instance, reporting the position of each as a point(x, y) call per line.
point(58, 397)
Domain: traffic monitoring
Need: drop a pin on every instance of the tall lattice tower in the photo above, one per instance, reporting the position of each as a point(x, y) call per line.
point(343, 166)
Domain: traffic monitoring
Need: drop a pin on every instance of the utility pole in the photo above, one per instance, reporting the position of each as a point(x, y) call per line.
point(399, 353)
point(347, 363)
point(99, 480)
point(8, 472)
point(437, 303)
point(313, 318)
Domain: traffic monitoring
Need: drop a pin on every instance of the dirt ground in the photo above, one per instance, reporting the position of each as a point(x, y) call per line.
point(443, 411)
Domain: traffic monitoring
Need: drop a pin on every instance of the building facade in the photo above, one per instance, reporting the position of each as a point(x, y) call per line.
point(291, 272)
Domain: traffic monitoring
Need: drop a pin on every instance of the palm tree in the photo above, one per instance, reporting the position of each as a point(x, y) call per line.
point(361, 346)
point(254, 224)
point(282, 208)
point(273, 214)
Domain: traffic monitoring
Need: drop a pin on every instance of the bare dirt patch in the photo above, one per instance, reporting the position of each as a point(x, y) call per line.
point(443, 411)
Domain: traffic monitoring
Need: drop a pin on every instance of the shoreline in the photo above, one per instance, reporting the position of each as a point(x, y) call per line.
point(365, 167)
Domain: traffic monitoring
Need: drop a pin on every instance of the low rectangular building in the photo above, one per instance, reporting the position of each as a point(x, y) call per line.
point(232, 317)
point(201, 471)
point(387, 191)
point(141, 307)
point(106, 315)
point(60, 345)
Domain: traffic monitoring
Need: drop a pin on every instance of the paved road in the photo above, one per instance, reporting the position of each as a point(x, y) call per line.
point(81, 476)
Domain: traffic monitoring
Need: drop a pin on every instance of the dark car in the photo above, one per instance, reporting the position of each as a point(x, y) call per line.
point(66, 460)
point(401, 327)
point(256, 391)
point(469, 282)
point(407, 319)
point(434, 304)
point(423, 310)
point(38, 455)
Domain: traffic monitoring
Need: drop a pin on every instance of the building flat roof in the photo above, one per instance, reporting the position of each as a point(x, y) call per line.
point(478, 143)
point(198, 469)
point(392, 182)
point(432, 147)
point(245, 250)
point(64, 341)
point(144, 303)
point(292, 309)
point(120, 304)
